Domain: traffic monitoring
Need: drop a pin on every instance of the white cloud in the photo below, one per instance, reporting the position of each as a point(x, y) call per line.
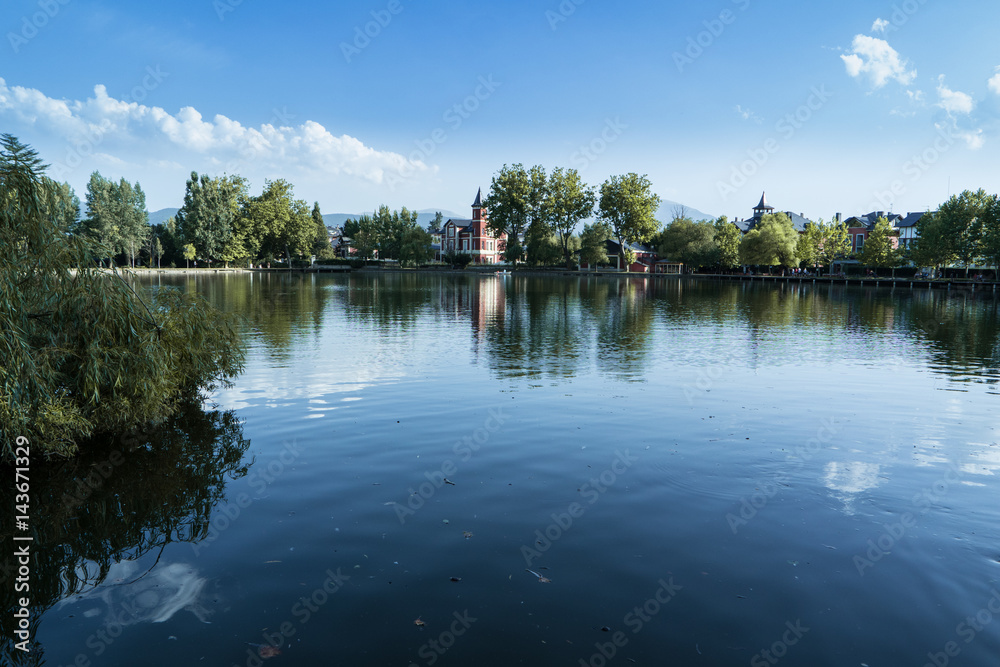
point(916, 96)
point(875, 58)
point(953, 101)
point(994, 83)
point(127, 130)
point(880, 25)
point(974, 139)
point(748, 114)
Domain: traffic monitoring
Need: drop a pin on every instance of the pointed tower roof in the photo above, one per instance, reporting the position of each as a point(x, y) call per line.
point(479, 199)
point(763, 205)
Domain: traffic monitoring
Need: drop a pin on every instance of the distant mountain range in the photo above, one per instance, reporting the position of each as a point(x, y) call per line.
point(424, 216)
point(666, 212)
point(156, 217)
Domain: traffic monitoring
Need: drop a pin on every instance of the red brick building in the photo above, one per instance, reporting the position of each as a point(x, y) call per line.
point(472, 236)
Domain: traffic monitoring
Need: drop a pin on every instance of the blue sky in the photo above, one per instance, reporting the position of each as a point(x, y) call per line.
point(848, 106)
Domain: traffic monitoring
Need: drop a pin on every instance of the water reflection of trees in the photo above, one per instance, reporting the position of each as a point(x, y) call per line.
point(551, 328)
point(554, 326)
point(117, 503)
point(278, 307)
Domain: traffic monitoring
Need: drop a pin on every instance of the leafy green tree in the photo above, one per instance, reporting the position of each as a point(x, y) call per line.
point(515, 200)
point(351, 227)
point(415, 247)
point(64, 205)
point(274, 223)
point(728, 238)
point(166, 232)
point(772, 242)
point(962, 219)
point(831, 241)
point(593, 243)
point(991, 232)
point(207, 218)
point(628, 205)
point(367, 238)
point(933, 246)
point(84, 353)
point(569, 200)
point(321, 244)
point(435, 224)
point(543, 248)
point(880, 249)
point(116, 216)
point(690, 242)
point(189, 253)
point(157, 251)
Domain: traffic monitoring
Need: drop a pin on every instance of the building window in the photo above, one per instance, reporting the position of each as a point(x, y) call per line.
point(861, 242)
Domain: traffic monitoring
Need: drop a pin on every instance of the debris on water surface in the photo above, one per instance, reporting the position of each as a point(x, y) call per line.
point(418, 622)
point(466, 534)
point(541, 579)
point(266, 651)
point(456, 578)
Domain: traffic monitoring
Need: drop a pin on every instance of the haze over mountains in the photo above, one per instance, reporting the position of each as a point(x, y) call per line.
point(424, 216)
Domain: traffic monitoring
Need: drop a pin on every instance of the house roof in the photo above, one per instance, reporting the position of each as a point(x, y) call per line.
point(458, 222)
point(763, 205)
point(910, 220)
point(479, 199)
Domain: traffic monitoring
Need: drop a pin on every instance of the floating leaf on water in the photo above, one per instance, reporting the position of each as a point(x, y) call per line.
point(466, 534)
point(419, 622)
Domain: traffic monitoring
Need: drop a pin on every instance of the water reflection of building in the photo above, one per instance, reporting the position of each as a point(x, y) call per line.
point(488, 304)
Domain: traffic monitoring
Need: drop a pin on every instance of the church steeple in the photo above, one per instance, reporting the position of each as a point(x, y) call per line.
point(477, 206)
point(762, 208)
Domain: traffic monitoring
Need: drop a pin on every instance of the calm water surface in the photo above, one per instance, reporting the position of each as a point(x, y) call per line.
point(637, 472)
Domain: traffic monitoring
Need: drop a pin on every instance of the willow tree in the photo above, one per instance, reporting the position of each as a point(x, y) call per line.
point(83, 353)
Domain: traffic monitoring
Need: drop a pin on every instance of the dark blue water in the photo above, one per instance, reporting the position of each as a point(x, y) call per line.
point(496, 470)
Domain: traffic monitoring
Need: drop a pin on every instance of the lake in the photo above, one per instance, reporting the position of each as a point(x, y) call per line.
point(421, 469)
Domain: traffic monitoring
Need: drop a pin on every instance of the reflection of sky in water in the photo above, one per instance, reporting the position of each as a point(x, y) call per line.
point(849, 479)
point(129, 595)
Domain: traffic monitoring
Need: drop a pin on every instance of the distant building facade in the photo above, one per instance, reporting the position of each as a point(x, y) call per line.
point(472, 236)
